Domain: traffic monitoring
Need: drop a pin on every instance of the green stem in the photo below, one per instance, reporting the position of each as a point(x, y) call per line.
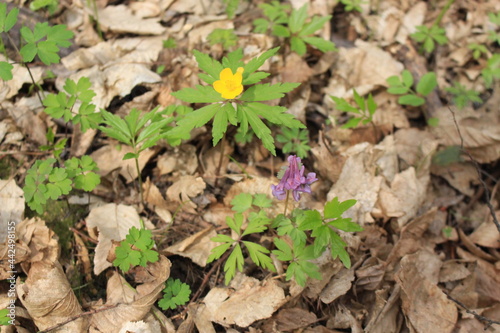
point(443, 11)
point(286, 201)
point(221, 158)
point(136, 158)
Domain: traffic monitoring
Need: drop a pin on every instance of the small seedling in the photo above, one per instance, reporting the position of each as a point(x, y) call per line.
point(463, 96)
point(225, 37)
point(351, 5)
point(363, 111)
point(294, 27)
point(493, 35)
point(477, 50)
point(295, 141)
point(135, 250)
point(170, 43)
point(404, 86)
point(4, 318)
point(428, 37)
point(492, 70)
point(175, 294)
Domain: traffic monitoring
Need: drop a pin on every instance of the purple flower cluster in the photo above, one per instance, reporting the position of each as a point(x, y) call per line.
point(293, 180)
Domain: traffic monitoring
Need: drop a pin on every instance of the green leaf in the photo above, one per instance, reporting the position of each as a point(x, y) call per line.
point(6, 71)
point(275, 114)
point(407, 78)
point(265, 92)
point(28, 51)
point(261, 25)
point(298, 45)
point(316, 23)
point(255, 78)
point(258, 255)
point(261, 200)
point(335, 209)
point(256, 62)
point(281, 31)
point(284, 251)
point(338, 250)
point(298, 18)
point(412, 100)
point(194, 119)
point(234, 261)
point(242, 202)
point(235, 222)
point(175, 294)
point(200, 94)
point(210, 66)
point(7, 21)
point(218, 251)
point(226, 113)
point(257, 222)
point(320, 43)
point(427, 84)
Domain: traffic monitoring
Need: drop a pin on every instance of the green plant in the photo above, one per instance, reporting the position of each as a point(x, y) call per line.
point(492, 70)
point(4, 318)
point(62, 105)
point(363, 111)
point(463, 96)
point(136, 131)
point(351, 5)
point(175, 294)
point(224, 105)
point(44, 41)
point(294, 27)
point(225, 37)
point(231, 7)
point(243, 225)
point(477, 50)
point(56, 147)
point(44, 181)
point(7, 21)
point(493, 35)
point(136, 249)
point(295, 141)
point(404, 86)
point(429, 37)
point(50, 5)
point(170, 43)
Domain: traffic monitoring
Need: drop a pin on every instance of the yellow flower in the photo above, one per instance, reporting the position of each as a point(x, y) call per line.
point(229, 85)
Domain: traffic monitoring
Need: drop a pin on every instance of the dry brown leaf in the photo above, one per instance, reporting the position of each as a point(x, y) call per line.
point(291, 319)
point(453, 270)
point(121, 19)
point(12, 210)
point(133, 305)
point(185, 188)
point(113, 222)
point(247, 301)
point(426, 307)
point(385, 313)
point(32, 126)
point(20, 76)
point(182, 159)
point(153, 197)
point(196, 247)
point(109, 158)
point(339, 285)
point(487, 234)
point(459, 175)
point(49, 299)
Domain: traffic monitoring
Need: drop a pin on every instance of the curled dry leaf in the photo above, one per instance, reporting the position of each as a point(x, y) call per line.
point(133, 305)
point(12, 198)
point(49, 299)
point(425, 306)
point(113, 222)
point(228, 307)
point(196, 247)
point(185, 188)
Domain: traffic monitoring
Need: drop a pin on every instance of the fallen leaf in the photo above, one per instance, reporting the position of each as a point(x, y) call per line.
point(185, 188)
point(12, 211)
point(121, 19)
point(196, 247)
point(113, 222)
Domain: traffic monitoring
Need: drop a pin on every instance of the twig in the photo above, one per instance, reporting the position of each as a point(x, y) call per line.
point(478, 170)
point(488, 322)
point(83, 314)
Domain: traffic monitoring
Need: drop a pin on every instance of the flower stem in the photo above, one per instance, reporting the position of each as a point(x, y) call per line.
point(286, 201)
point(217, 171)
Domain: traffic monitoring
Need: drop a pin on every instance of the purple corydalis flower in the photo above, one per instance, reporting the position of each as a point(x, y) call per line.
point(293, 180)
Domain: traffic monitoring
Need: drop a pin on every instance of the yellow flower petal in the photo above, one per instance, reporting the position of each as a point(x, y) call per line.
point(219, 86)
point(226, 74)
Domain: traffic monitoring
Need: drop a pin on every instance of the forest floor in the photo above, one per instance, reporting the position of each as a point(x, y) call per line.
point(423, 169)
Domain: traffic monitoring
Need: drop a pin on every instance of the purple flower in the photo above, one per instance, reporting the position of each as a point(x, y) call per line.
point(293, 180)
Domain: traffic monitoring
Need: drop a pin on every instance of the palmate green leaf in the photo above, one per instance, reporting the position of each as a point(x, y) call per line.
point(126, 257)
point(260, 25)
point(337, 246)
point(342, 105)
point(224, 114)
point(59, 184)
point(287, 227)
point(257, 222)
point(352, 123)
point(275, 114)
point(235, 222)
point(309, 220)
point(297, 19)
point(47, 52)
point(211, 66)
point(234, 261)
point(200, 94)
point(427, 83)
point(298, 45)
point(320, 43)
point(280, 31)
point(247, 116)
point(315, 24)
point(7, 20)
point(219, 250)
point(258, 255)
point(257, 62)
point(261, 200)
point(6, 71)
point(284, 252)
point(194, 119)
point(242, 202)
point(4, 320)
point(265, 92)
point(334, 208)
point(175, 293)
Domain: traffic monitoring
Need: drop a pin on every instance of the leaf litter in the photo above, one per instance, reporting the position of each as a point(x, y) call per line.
point(427, 259)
